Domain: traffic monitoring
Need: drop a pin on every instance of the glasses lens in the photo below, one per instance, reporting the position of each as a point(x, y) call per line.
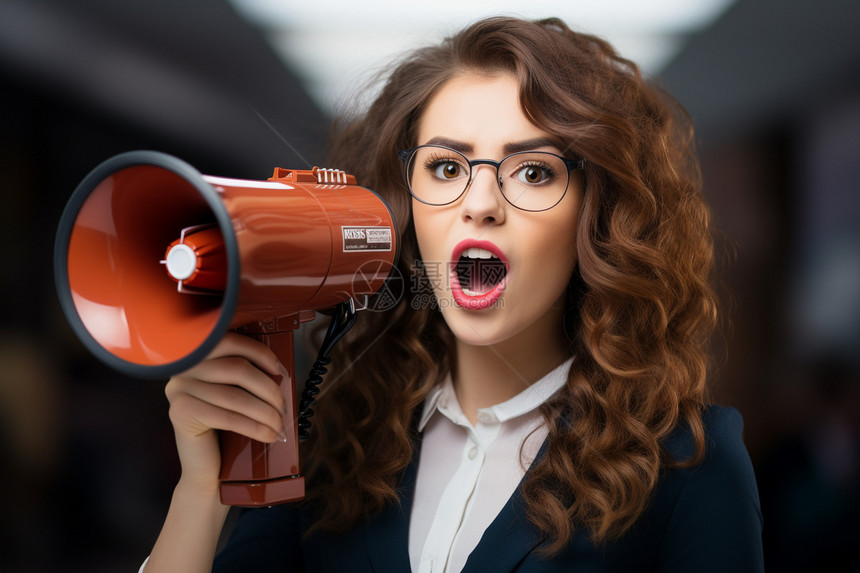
point(437, 175)
point(533, 180)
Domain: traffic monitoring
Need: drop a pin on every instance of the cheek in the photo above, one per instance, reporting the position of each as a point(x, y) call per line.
point(555, 252)
point(558, 231)
point(419, 221)
point(430, 233)
point(567, 226)
point(555, 264)
point(428, 230)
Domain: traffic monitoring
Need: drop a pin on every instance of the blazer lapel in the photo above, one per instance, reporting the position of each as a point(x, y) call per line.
point(505, 543)
point(387, 534)
point(508, 539)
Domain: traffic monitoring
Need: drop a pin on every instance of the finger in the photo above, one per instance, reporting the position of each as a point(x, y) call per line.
point(236, 399)
point(234, 371)
point(199, 416)
point(234, 344)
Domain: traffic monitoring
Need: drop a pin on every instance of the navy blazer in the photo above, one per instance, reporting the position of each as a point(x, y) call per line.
point(702, 519)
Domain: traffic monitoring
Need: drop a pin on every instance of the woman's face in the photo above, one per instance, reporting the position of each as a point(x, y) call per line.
point(486, 303)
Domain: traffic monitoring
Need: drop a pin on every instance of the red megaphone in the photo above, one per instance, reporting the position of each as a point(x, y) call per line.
point(154, 262)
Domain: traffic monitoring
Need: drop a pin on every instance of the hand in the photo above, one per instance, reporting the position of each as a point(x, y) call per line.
point(232, 389)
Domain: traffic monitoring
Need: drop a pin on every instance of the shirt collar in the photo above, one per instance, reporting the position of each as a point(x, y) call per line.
point(444, 400)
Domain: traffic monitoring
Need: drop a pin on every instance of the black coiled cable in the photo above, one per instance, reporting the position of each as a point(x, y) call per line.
point(341, 321)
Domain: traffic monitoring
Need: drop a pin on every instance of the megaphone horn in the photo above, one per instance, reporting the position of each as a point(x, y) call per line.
point(154, 262)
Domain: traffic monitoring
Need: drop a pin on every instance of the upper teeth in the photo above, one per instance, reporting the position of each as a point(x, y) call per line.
point(476, 253)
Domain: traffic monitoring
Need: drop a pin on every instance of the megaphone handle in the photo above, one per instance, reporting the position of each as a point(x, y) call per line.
point(254, 473)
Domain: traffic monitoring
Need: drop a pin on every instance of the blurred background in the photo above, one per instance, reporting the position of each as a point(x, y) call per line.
point(87, 462)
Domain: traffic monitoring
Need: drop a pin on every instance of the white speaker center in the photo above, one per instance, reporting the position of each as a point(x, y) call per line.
point(181, 262)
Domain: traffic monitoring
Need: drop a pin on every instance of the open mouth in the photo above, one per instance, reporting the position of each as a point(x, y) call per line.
point(479, 271)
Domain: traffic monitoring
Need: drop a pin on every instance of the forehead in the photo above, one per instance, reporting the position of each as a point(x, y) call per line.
point(480, 110)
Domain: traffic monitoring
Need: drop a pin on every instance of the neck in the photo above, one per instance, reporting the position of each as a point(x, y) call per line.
point(488, 375)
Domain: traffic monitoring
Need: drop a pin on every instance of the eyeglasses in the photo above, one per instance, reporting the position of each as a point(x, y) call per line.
point(528, 180)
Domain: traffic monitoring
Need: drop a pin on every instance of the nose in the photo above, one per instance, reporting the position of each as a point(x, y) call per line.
point(483, 202)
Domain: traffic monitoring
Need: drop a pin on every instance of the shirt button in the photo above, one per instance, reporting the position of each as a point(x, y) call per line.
point(486, 417)
point(473, 453)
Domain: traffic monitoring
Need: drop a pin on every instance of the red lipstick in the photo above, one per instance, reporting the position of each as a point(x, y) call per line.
point(463, 293)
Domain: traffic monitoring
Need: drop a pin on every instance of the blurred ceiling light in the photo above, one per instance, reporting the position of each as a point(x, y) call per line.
point(337, 46)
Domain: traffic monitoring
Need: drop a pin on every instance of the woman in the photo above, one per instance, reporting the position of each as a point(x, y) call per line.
point(545, 408)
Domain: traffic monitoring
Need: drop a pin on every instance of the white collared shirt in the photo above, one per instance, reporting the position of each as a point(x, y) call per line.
point(466, 474)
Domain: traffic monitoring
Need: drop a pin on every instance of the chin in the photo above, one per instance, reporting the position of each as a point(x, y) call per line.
point(487, 327)
point(469, 337)
point(513, 320)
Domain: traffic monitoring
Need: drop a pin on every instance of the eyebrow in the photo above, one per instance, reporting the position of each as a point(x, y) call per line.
point(529, 144)
point(513, 147)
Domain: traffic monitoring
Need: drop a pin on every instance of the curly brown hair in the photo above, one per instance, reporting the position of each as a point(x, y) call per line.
point(640, 308)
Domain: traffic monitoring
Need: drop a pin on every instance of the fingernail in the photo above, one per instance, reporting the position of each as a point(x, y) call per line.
point(282, 437)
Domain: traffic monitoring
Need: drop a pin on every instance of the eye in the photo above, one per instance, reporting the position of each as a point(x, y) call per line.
point(445, 168)
point(534, 173)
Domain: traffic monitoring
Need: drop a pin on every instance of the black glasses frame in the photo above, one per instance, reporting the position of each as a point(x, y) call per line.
point(405, 155)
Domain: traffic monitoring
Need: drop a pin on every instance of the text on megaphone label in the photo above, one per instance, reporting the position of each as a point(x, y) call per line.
point(366, 238)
